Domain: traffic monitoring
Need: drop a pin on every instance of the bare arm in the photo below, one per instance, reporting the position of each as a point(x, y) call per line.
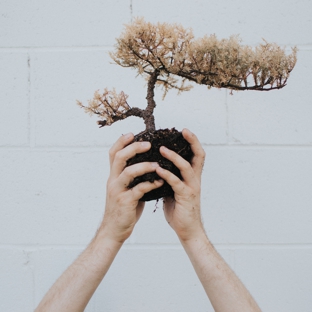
point(224, 289)
point(73, 290)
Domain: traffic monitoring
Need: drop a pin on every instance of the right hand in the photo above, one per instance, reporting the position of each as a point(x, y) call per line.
point(123, 208)
point(183, 212)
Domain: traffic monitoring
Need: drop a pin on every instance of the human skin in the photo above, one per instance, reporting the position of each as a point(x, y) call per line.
point(73, 290)
point(224, 289)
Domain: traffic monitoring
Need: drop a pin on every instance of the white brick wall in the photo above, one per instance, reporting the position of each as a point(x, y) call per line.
point(14, 98)
point(257, 198)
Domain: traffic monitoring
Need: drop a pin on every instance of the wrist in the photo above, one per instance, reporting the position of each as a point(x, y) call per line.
point(197, 239)
point(103, 240)
point(198, 233)
point(114, 233)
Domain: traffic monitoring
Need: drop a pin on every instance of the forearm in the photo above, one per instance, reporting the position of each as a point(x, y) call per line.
point(73, 290)
point(224, 289)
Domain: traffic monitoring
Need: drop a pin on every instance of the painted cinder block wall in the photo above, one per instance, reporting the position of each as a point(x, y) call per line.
point(257, 181)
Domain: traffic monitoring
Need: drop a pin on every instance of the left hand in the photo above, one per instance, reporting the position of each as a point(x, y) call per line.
point(123, 208)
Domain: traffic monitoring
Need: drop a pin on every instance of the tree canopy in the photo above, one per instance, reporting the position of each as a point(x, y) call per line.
point(169, 55)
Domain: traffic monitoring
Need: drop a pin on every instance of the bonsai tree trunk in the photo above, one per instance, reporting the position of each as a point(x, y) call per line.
point(148, 114)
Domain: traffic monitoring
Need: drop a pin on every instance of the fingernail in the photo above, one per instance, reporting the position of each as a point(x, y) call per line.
point(155, 165)
point(165, 149)
point(145, 144)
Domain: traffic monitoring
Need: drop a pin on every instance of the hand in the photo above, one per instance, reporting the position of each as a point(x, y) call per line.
point(183, 212)
point(123, 208)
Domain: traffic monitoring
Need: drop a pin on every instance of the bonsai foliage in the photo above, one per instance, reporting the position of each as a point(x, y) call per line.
point(169, 56)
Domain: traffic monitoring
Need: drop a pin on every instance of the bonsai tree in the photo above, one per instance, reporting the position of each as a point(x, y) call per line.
point(169, 56)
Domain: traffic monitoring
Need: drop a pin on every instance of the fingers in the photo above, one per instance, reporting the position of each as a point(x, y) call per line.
point(199, 153)
point(121, 156)
point(176, 184)
point(136, 170)
point(123, 141)
point(140, 189)
point(183, 165)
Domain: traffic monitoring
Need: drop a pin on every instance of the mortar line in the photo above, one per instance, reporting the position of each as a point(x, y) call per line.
point(84, 149)
point(155, 246)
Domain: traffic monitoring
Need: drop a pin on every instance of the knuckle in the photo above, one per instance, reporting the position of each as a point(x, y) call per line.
point(139, 190)
point(201, 153)
point(141, 146)
point(161, 171)
point(147, 168)
point(137, 145)
point(145, 187)
point(111, 153)
point(185, 165)
point(143, 167)
point(128, 171)
point(141, 187)
point(119, 155)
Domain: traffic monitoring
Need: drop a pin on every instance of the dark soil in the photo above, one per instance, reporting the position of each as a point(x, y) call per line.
point(172, 139)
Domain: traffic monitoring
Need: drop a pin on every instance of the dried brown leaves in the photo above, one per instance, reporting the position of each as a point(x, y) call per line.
point(169, 55)
point(224, 63)
point(109, 105)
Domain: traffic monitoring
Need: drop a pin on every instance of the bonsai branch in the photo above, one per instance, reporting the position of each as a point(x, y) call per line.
point(113, 107)
point(169, 54)
point(135, 111)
